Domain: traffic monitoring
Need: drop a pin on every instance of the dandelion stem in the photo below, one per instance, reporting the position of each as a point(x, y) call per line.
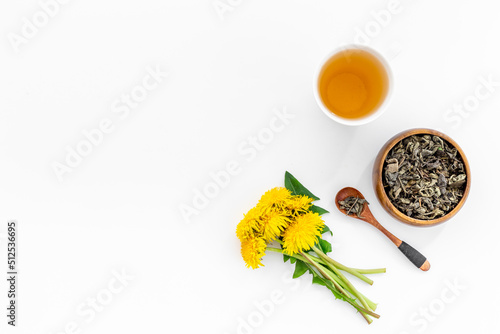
point(325, 274)
point(371, 304)
point(364, 310)
point(336, 280)
point(342, 277)
point(369, 271)
point(296, 256)
point(351, 271)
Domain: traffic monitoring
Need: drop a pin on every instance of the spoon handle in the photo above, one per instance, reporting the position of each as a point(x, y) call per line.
point(414, 256)
point(411, 253)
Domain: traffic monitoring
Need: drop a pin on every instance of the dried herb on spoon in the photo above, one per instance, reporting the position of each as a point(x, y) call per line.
point(353, 205)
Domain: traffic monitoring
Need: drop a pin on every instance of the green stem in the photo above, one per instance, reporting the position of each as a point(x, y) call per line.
point(370, 271)
point(339, 281)
point(367, 317)
point(372, 305)
point(351, 271)
point(315, 262)
point(296, 256)
point(365, 311)
point(342, 277)
point(325, 274)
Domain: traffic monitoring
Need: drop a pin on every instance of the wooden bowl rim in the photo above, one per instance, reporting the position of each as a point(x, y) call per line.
point(386, 202)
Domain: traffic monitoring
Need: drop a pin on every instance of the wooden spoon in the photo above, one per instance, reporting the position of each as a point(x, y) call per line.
point(411, 253)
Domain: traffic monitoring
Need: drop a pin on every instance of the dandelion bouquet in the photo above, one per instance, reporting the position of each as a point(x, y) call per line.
point(287, 218)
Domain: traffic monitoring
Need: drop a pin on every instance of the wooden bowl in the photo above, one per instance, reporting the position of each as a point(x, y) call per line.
point(379, 186)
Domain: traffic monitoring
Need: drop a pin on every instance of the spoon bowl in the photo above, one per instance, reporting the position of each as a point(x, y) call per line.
point(348, 192)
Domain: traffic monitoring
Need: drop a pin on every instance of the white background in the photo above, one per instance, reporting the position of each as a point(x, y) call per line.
point(119, 209)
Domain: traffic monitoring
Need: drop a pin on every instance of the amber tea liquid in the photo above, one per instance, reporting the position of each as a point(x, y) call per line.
point(353, 83)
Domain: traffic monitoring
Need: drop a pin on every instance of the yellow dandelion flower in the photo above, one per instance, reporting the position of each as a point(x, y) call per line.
point(249, 225)
point(273, 224)
point(252, 251)
point(274, 197)
point(299, 203)
point(302, 234)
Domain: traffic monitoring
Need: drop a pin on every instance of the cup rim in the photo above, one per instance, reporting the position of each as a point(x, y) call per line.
point(390, 87)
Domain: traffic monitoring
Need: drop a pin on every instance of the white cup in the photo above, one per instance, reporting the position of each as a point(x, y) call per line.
point(378, 110)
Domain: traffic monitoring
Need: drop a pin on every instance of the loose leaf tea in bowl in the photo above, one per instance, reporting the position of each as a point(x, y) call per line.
point(424, 176)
